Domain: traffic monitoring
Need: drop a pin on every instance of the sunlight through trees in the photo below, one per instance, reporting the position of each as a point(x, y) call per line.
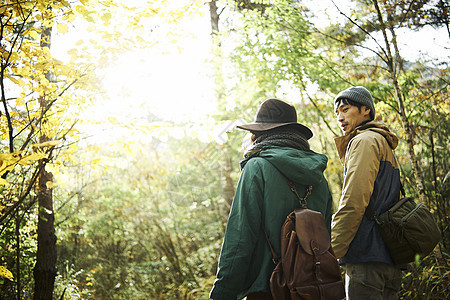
point(119, 155)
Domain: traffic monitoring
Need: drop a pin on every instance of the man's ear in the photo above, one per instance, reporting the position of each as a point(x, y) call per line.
point(365, 111)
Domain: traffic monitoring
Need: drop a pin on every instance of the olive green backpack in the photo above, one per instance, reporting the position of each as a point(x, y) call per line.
point(407, 229)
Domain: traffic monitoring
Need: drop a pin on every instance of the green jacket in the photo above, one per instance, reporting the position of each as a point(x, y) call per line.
point(264, 197)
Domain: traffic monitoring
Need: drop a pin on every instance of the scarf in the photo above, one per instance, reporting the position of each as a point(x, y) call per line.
point(281, 137)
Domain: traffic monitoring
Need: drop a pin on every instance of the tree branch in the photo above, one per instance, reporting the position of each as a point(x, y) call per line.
point(363, 30)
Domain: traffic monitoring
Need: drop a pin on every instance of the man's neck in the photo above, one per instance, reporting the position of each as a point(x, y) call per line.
point(363, 123)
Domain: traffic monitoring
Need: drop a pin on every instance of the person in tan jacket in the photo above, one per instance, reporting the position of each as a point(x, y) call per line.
point(371, 175)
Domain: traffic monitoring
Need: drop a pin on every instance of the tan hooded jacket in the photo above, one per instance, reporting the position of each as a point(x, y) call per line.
point(365, 152)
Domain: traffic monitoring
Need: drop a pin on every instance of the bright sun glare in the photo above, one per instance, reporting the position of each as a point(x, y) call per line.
point(160, 87)
point(170, 82)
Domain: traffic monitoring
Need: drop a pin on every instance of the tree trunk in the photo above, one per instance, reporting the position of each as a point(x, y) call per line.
point(393, 64)
point(214, 17)
point(226, 169)
point(45, 267)
point(394, 67)
point(18, 253)
point(226, 166)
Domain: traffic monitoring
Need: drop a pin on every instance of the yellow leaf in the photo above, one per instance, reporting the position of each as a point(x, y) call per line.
point(14, 56)
point(7, 165)
point(69, 17)
point(80, 9)
point(4, 272)
point(106, 17)
point(20, 101)
point(62, 28)
point(33, 34)
point(29, 159)
point(49, 185)
point(3, 182)
point(16, 81)
point(46, 144)
point(113, 120)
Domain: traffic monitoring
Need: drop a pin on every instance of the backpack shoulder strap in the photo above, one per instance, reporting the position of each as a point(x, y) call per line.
point(370, 212)
point(302, 201)
point(275, 258)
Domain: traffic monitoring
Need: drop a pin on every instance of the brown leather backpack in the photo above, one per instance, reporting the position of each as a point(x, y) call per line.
point(308, 268)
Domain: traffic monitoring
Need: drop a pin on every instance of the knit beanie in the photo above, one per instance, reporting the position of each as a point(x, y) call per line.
point(358, 94)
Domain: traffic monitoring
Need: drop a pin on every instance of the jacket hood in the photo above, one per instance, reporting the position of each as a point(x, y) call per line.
point(343, 141)
point(302, 166)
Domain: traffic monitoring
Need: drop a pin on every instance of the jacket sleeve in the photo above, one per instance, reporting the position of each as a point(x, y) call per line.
point(362, 163)
point(243, 227)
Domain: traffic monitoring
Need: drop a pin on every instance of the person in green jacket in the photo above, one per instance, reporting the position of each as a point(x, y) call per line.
point(263, 199)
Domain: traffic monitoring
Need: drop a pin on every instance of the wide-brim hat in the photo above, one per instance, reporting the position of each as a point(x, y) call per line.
point(275, 113)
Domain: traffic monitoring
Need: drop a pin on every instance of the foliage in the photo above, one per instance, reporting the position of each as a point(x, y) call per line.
point(36, 94)
point(42, 96)
point(425, 280)
point(158, 230)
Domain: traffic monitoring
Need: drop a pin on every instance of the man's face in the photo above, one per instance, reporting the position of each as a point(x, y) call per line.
point(350, 116)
